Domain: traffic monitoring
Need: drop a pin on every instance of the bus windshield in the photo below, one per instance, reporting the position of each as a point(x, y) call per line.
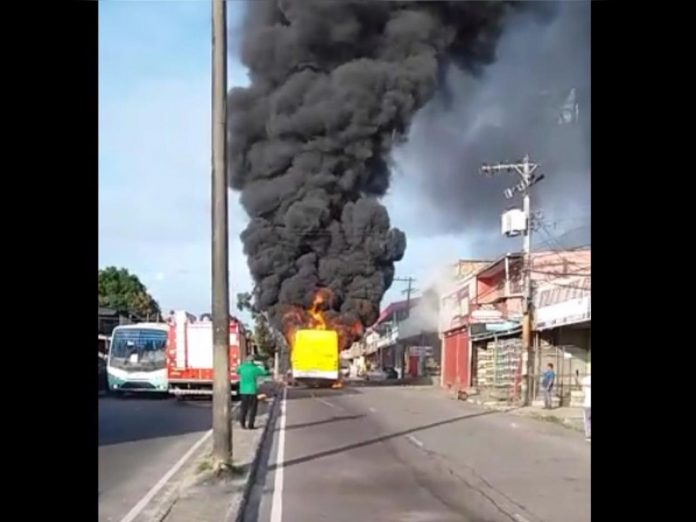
point(138, 349)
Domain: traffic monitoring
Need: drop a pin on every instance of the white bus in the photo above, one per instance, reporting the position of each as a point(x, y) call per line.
point(137, 358)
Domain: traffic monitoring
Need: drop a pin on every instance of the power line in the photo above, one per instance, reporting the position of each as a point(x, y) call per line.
point(410, 280)
point(526, 171)
point(579, 271)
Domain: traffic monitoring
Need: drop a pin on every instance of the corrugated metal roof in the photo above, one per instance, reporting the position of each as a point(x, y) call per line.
point(395, 307)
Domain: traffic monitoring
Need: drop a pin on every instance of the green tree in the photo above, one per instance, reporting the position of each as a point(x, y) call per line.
point(263, 336)
point(245, 303)
point(121, 290)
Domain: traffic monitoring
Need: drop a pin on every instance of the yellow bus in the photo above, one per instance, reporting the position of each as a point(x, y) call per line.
point(314, 357)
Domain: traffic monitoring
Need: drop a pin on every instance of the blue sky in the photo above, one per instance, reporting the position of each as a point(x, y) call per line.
point(154, 156)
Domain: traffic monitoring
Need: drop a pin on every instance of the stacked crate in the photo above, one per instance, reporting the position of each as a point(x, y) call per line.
point(486, 366)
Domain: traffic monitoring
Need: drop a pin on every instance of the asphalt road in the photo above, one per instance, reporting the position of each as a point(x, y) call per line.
point(140, 439)
point(407, 455)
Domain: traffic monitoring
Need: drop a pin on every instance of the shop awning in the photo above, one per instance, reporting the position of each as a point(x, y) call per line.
point(488, 335)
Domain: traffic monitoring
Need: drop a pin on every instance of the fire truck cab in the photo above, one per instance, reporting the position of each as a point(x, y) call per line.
point(190, 355)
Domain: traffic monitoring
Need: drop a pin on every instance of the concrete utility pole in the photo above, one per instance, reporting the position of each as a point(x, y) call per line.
point(408, 291)
point(410, 280)
point(526, 170)
point(222, 422)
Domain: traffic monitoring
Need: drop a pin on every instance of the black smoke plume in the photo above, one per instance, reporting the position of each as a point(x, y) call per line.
point(535, 99)
point(334, 87)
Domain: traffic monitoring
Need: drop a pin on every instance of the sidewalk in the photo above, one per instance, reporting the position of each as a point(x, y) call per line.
point(570, 417)
point(203, 497)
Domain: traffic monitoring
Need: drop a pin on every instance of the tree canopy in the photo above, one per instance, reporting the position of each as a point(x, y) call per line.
point(263, 337)
point(123, 291)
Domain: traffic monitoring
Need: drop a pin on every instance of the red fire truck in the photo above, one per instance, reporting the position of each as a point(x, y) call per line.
point(190, 354)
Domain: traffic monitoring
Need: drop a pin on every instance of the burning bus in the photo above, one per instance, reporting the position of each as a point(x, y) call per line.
point(314, 357)
point(315, 343)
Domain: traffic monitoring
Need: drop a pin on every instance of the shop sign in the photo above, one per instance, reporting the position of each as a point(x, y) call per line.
point(487, 314)
point(420, 351)
point(564, 313)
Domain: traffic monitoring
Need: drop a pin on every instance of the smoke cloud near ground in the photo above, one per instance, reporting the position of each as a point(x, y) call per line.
point(514, 107)
point(334, 88)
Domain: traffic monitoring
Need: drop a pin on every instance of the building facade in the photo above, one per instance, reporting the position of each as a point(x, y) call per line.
point(481, 328)
point(109, 318)
point(562, 333)
point(454, 323)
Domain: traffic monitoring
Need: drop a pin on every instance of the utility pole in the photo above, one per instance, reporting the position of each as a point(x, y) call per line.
point(410, 280)
point(408, 291)
point(222, 425)
point(526, 170)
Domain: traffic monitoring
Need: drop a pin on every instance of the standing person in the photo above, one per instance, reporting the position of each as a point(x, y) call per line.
point(547, 381)
point(587, 403)
point(248, 372)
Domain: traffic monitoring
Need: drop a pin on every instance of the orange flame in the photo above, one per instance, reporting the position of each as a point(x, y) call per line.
point(318, 318)
point(317, 315)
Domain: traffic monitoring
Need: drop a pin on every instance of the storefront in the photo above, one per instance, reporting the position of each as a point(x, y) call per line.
point(455, 370)
point(562, 321)
point(498, 362)
point(454, 340)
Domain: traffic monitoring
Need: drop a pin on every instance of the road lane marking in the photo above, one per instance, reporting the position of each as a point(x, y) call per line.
point(137, 509)
point(277, 505)
point(415, 441)
point(323, 401)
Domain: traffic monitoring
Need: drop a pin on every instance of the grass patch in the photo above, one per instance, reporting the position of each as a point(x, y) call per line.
point(205, 465)
point(220, 470)
point(236, 470)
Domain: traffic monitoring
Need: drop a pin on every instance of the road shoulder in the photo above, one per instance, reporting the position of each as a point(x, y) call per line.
point(198, 494)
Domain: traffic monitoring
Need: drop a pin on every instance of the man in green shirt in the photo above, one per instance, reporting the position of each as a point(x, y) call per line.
point(248, 372)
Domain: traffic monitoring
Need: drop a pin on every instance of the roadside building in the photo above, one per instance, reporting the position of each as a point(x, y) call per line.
point(454, 326)
point(110, 318)
point(480, 325)
point(403, 338)
point(562, 325)
point(418, 340)
point(498, 361)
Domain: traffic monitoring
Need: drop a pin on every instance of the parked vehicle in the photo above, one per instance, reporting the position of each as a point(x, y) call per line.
point(381, 375)
point(102, 355)
point(136, 358)
point(190, 355)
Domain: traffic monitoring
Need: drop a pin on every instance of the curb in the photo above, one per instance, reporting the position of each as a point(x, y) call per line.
point(171, 495)
point(491, 405)
point(569, 423)
point(236, 511)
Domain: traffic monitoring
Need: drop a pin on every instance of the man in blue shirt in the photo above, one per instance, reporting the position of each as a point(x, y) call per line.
point(547, 382)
